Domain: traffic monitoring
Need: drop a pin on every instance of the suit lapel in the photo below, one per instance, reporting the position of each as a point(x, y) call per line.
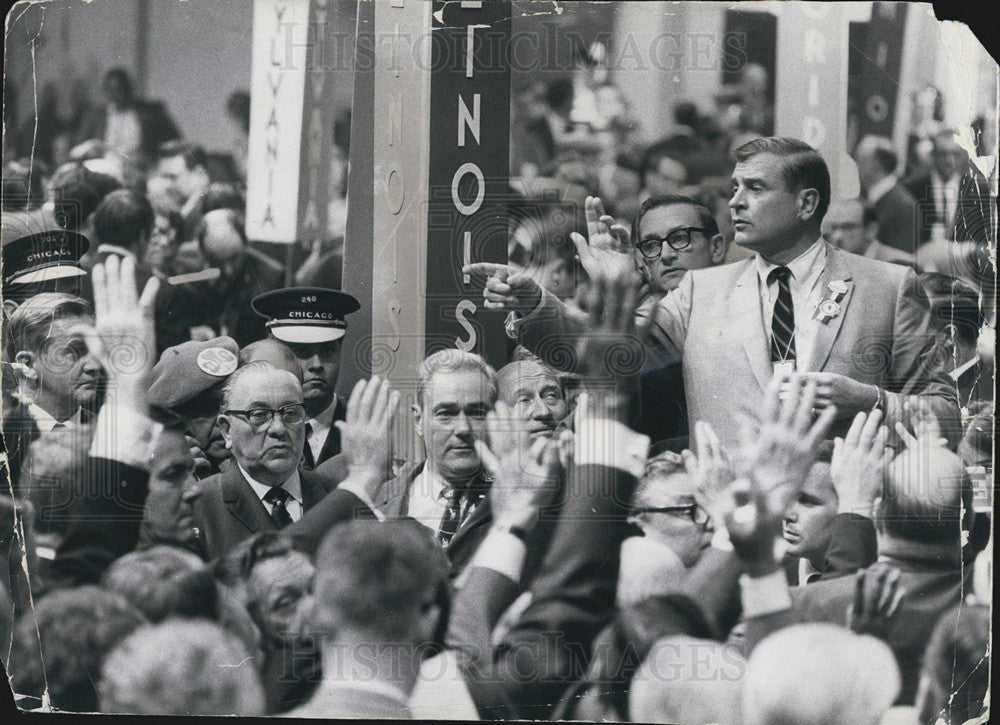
point(313, 490)
point(481, 516)
point(745, 316)
point(242, 502)
point(331, 446)
point(826, 331)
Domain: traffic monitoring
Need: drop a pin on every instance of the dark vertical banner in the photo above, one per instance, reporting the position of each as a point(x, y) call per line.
point(468, 171)
point(878, 84)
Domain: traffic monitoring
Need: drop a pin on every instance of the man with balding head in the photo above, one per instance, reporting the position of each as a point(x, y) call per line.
point(263, 423)
point(919, 524)
point(220, 306)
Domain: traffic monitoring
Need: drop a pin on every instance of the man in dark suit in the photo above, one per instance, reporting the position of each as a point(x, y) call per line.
point(222, 306)
point(919, 524)
point(447, 493)
point(310, 320)
point(894, 206)
point(953, 198)
point(263, 423)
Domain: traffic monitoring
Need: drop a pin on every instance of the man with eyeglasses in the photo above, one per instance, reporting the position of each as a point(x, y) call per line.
point(310, 320)
point(262, 421)
point(674, 530)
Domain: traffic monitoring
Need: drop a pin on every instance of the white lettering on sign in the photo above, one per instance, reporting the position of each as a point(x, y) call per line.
point(468, 209)
point(278, 84)
point(468, 119)
point(466, 307)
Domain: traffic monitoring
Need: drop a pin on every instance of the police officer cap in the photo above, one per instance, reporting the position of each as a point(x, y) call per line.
point(44, 256)
point(305, 314)
point(189, 369)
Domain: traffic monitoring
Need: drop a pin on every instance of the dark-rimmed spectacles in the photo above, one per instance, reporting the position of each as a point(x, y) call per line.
point(697, 514)
point(291, 415)
point(677, 240)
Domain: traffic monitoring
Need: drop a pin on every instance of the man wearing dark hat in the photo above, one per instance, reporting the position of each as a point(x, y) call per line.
point(43, 262)
point(188, 381)
point(310, 320)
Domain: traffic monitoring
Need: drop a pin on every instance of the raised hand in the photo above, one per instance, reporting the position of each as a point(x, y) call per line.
point(858, 464)
point(366, 433)
point(124, 334)
point(505, 288)
point(710, 474)
point(924, 424)
point(525, 479)
point(606, 248)
point(778, 454)
point(609, 349)
point(877, 596)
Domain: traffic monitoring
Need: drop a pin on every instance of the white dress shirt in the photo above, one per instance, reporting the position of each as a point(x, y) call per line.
point(46, 422)
point(806, 271)
point(428, 502)
point(122, 134)
point(320, 427)
point(293, 485)
point(945, 194)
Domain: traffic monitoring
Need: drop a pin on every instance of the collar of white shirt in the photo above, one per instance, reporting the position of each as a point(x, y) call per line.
point(427, 500)
point(321, 425)
point(800, 267)
point(880, 188)
point(46, 422)
point(378, 687)
point(293, 485)
point(807, 570)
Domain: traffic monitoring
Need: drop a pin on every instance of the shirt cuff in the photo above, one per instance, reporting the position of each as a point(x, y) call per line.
point(502, 552)
point(125, 435)
point(765, 595)
point(610, 443)
point(359, 491)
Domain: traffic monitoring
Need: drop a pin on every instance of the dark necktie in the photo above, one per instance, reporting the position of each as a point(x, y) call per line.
point(309, 462)
point(783, 318)
point(278, 497)
point(452, 515)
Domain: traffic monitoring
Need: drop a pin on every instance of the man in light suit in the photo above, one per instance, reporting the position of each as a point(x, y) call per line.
point(859, 326)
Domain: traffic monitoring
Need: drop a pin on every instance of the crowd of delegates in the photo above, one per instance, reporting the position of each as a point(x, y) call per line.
point(695, 492)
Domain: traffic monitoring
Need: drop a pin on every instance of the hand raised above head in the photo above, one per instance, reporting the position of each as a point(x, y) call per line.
point(366, 432)
point(525, 473)
point(778, 453)
point(606, 248)
point(124, 334)
point(858, 464)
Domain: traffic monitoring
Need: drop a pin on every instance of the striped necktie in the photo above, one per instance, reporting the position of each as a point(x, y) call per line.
point(783, 318)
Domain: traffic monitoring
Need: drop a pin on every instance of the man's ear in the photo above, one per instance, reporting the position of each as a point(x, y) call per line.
point(27, 359)
point(223, 421)
point(808, 201)
point(717, 249)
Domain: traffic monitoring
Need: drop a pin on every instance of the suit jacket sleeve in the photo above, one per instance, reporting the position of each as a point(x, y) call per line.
point(573, 599)
point(852, 545)
point(106, 516)
point(917, 367)
point(478, 606)
point(336, 507)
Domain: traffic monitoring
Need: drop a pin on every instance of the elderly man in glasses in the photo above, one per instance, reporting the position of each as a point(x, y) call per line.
point(262, 420)
point(672, 531)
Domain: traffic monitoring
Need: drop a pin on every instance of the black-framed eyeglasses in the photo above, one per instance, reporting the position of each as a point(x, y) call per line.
point(677, 240)
point(698, 515)
point(294, 414)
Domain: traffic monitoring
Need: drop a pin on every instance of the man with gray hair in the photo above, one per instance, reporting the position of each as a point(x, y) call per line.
point(446, 492)
point(263, 423)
